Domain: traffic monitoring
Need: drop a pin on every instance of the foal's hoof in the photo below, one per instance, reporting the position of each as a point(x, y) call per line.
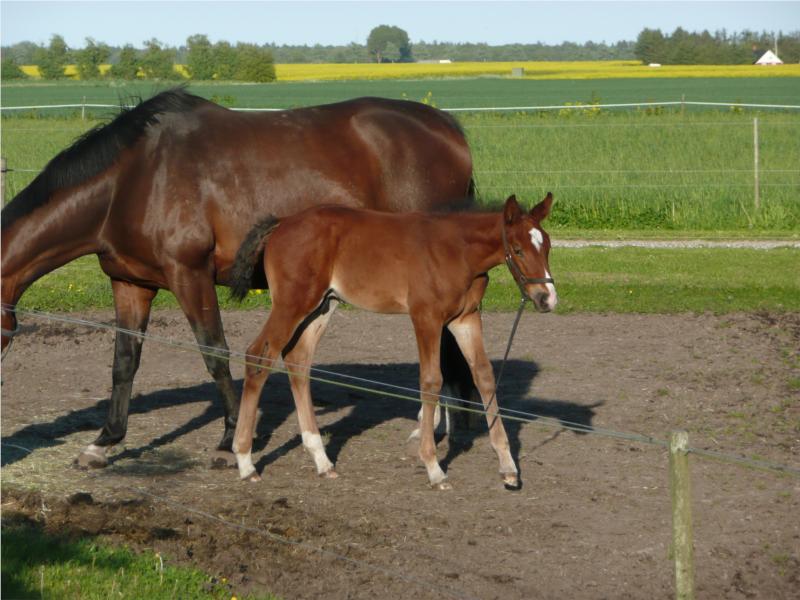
point(91, 460)
point(254, 477)
point(511, 481)
point(223, 459)
point(442, 486)
point(329, 474)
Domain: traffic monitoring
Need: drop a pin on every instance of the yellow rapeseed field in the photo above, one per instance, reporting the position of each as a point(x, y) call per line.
point(532, 70)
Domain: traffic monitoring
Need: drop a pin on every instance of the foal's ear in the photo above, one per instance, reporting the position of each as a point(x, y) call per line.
point(511, 211)
point(541, 210)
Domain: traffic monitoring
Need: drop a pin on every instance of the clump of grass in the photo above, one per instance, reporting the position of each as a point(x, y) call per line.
point(39, 565)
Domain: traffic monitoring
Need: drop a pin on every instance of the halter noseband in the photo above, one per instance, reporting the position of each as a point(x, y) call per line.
point(519, 277)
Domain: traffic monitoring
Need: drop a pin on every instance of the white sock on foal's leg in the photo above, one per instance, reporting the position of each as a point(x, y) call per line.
point(245, 462)
point(313, 443)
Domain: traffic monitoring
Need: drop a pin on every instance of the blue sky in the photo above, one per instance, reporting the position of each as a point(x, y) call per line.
point(336, 22)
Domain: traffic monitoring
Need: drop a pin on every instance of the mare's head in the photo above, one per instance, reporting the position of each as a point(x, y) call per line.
point(527, 249)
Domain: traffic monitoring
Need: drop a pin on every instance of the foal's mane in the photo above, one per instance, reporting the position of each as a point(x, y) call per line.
point(96, 150)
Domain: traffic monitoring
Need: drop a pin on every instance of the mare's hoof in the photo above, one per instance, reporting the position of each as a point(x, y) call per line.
point(223, 459)
point(511, 481)
point(329, 474)
point(442, 486)
point(90, 460)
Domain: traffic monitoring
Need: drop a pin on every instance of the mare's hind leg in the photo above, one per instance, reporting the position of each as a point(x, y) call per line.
point(428, 332)
point(298, 361)
point(197, 296)
point(132, 305)
point(469, 335)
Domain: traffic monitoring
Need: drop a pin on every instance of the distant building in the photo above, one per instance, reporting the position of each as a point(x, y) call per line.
point(769, 58)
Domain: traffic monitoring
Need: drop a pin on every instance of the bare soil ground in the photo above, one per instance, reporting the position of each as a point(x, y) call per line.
point(592, 519)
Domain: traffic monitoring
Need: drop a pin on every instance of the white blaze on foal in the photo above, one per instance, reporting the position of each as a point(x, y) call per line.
point(536, 239)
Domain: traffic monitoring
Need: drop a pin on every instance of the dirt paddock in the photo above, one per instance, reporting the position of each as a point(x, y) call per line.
point(592, 519)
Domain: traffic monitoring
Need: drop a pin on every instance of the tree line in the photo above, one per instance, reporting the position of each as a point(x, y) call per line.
point(201, 59)
point(682, 47)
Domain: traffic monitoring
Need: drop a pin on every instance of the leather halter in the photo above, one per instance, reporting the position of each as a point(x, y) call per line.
point(519, 277)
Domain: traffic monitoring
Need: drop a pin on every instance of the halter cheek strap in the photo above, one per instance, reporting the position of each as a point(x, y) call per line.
point(516, 272)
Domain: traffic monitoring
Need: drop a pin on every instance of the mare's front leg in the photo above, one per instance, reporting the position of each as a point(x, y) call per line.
point(469, 335)
point(132, 304)
point(428, 331)
point(195, 291)
point(298, 361)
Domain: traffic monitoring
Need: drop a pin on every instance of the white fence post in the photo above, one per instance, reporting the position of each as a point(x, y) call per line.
point(680, 492)
point(757, 189)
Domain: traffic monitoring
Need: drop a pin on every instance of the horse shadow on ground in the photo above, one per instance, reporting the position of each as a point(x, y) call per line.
point(367, 410)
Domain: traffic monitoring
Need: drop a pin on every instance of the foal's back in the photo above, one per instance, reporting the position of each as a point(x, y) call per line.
point(374, 260)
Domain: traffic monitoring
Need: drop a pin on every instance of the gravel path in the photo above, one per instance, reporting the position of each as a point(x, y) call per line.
point(754, 244)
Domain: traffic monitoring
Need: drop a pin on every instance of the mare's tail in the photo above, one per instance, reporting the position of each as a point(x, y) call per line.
point(248, 255)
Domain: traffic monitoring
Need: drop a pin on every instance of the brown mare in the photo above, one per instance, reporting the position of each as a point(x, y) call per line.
point(165, 193)
point(431, 267)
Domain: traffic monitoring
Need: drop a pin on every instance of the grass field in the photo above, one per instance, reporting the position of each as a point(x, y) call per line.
point(646, 170)
point(40, 565)
point(637, 280)
point(446, 93)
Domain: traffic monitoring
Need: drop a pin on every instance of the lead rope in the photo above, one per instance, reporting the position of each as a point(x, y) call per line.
point(499, 377)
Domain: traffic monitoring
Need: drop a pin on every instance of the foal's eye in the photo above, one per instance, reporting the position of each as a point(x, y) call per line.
point(517, 250)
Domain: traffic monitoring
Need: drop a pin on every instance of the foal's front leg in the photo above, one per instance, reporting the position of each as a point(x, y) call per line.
point(469, 335)
point(428, 333)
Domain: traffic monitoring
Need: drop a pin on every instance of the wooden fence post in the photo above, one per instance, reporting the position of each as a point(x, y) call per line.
point(755, 164)
point(681, 515)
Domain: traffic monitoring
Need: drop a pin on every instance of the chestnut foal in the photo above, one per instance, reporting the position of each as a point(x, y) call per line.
point(432, 267)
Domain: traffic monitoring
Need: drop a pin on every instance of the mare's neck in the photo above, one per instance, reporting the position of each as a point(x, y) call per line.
point(483, 235)
point(55, 233)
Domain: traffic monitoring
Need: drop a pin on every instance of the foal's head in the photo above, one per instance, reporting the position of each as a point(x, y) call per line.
point(527, 248)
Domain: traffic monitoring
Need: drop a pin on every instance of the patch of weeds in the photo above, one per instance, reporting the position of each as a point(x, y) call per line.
point(794, 383)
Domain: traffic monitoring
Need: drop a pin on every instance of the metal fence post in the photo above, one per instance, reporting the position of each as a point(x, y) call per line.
point(755, 164)
point(681, 515)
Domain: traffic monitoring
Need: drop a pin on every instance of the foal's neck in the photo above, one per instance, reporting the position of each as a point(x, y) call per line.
point(483, 236)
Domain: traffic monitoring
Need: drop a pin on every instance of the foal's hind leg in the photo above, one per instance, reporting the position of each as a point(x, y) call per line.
point(298, 361)
point(132, 305)
point(469, 335)
point(261, 357)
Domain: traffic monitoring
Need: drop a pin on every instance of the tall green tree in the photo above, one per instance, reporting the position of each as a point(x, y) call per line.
point(127, 67)
point(90, 57)
point(158, 61)
point(10, 69)
point(224, 58)
point(254, 63)
point(379, 40)
point(650, 46)
point(200, 57)
point(52, 60)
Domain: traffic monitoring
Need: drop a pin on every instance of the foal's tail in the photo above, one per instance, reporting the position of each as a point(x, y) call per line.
point(248, 255)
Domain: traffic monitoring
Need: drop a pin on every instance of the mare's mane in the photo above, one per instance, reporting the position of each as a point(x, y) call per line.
point(96, 150)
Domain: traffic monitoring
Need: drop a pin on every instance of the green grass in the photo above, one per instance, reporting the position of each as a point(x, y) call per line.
point(447, 93)
point(662, 173)
point(619, 280)
point(39, 565)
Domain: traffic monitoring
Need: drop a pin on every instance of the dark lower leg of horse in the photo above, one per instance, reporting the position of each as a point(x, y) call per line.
point(132, 305)
point(198, 298)
point(298, 361)
point(468, 333)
